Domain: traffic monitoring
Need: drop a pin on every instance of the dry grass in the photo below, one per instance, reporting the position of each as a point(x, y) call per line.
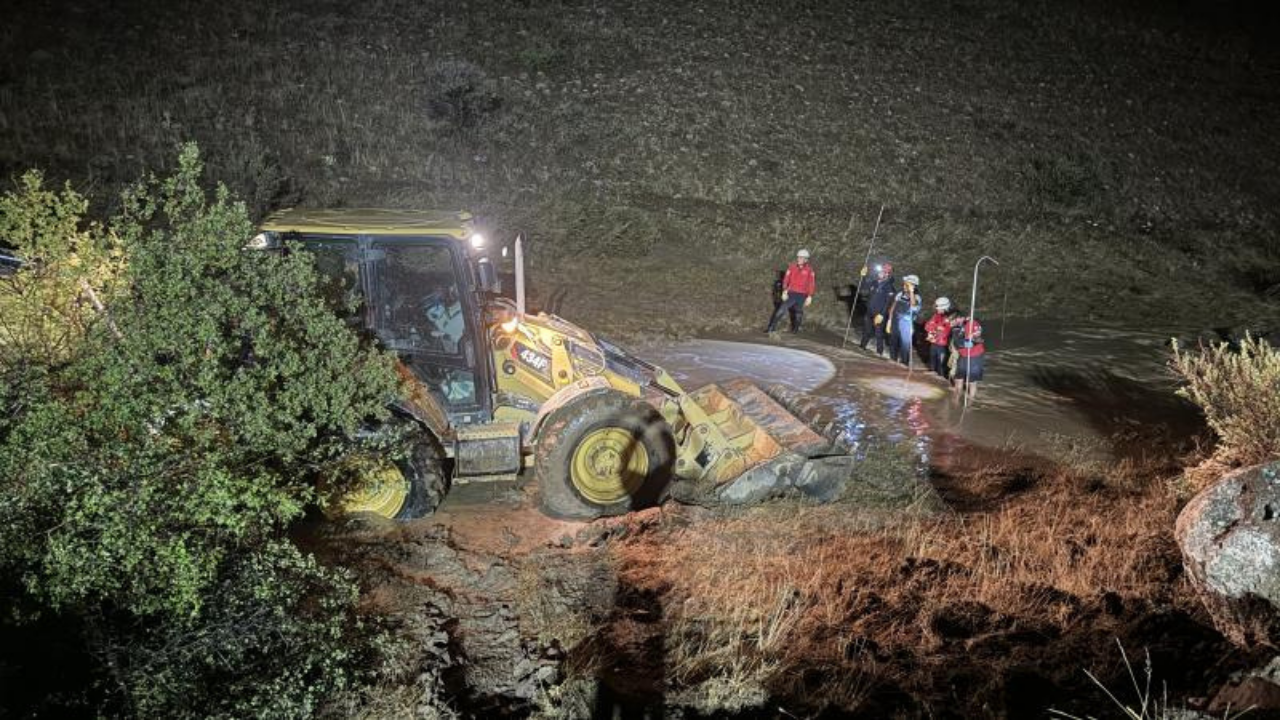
point(752, 601)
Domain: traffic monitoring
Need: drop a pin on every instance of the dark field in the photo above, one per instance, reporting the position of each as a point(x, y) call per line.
point(1119, 159)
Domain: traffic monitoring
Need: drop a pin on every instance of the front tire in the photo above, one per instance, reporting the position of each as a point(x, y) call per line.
point(605, 453)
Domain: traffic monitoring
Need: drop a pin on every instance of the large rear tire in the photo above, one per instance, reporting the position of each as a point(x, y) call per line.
point(606, 453)
point(405, 488)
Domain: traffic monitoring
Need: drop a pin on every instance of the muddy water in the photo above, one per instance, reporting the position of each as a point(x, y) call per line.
point(1049, 388)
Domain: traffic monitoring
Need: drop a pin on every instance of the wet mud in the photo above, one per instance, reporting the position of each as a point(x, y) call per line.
point(525, 603)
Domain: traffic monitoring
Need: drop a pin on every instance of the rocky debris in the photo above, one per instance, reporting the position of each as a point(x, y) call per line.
point(1230, 540)
point(494, 629)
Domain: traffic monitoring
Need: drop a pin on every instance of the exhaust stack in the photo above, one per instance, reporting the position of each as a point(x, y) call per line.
point(519, 252)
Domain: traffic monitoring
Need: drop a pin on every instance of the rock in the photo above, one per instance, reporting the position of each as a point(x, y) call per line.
point(1230, 540)
point(1254, 695)
point(546, 675)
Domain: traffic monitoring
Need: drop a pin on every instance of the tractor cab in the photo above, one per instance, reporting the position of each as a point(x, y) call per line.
point(410, 279)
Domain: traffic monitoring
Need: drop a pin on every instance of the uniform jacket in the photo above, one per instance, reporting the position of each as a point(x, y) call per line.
point(938, 329)
point(880, 295)
point(799, 279)
point(966, 337)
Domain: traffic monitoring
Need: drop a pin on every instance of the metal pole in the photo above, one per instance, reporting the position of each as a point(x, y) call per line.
point(520, 275)
point(973, 303)
point(854, 305)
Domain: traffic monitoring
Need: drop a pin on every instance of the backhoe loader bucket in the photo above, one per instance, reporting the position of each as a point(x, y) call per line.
point(742, 445)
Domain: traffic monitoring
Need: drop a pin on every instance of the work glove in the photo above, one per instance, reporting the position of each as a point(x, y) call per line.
point(878, 319)
point(784, 295)
point(888, 329)
point(863, 271)
point(807, 301)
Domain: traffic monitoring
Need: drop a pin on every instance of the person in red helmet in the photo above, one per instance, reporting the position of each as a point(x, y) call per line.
point(970, 354)
point(797, 292)
point(938, 332)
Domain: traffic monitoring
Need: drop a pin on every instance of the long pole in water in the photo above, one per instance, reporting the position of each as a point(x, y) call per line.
point(973, 304)
point(858, 291)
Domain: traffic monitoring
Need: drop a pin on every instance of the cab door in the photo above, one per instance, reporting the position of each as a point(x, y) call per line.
point(423, 307)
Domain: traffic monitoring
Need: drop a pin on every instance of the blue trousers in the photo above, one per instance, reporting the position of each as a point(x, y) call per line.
point(900, 348)
point(793, 306)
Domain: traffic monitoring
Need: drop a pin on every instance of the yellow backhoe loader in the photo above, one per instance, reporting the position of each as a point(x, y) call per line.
point(496, 391)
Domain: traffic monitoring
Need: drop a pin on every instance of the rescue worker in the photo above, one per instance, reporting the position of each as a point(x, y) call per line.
point(879, 296)
point(797, 292)
point(901, 324)
point(938, 332)
point(970, 354)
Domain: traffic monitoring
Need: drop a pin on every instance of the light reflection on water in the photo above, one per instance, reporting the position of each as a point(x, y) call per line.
point(868, 401)
point(871, 399)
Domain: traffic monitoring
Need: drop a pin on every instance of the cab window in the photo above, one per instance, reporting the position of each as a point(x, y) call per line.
point(418, 312)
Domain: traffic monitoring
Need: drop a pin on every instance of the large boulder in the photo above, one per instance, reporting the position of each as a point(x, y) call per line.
point(1230, 540)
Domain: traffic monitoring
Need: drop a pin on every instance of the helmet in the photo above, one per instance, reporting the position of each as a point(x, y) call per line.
point(913, 279)
point(803, 254)
point(942, 304)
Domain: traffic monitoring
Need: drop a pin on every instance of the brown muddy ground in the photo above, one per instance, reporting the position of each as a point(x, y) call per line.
point(1041, 569)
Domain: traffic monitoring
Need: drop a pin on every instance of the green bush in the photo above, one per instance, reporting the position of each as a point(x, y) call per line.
point(1239, 391)
point(149, 471)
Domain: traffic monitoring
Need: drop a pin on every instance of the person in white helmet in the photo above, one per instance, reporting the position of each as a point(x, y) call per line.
point(797, 292)
point(901, 324)
point(938, 331)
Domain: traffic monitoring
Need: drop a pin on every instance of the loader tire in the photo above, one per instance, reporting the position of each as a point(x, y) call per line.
point(424, 470)
point(404, 488)
point(606, 453)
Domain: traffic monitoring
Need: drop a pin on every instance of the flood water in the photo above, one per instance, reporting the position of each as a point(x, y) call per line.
point(1047, 387)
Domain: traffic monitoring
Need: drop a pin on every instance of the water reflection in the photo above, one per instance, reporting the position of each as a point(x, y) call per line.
point(870, 399)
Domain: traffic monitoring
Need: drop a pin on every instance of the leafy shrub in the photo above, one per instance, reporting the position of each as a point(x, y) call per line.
point(44, 309)
point(1239, 391)
point(148, 471)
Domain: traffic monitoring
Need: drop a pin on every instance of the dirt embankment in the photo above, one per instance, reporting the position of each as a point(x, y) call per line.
point(995, 607)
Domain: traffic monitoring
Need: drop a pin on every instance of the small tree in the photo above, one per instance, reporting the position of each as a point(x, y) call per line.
point(70, 270)
point(147, 479)
point(1239, 392)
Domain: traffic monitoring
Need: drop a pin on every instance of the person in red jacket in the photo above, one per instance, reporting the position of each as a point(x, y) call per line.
point(970, 354)
point(797, 292)
point(938, 332)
